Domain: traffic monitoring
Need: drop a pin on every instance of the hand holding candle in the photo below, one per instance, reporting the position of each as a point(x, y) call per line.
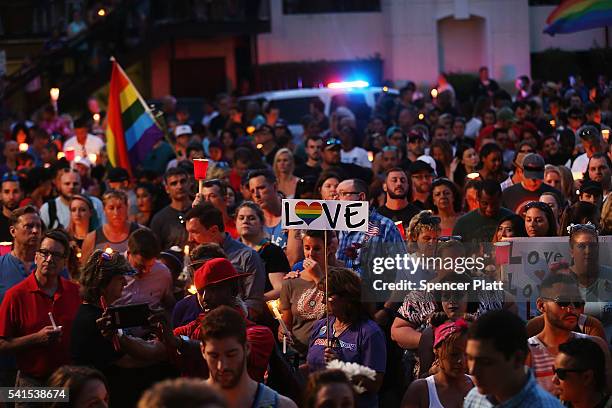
point(274, 305)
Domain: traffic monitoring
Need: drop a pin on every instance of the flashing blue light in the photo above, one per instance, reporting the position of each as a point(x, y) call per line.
point(348, 84)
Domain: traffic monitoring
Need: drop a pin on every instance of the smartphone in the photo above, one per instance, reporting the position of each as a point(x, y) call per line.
point(129, 315)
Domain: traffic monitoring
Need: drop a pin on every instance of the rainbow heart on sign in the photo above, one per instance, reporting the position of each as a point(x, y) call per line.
point(308, 213)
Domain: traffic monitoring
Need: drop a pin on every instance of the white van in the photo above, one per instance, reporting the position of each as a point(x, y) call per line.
point(295, 103)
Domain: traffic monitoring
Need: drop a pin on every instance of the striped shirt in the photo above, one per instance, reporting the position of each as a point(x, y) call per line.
point(542, 360)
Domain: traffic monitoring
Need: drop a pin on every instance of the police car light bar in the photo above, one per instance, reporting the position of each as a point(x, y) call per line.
point(348, 84)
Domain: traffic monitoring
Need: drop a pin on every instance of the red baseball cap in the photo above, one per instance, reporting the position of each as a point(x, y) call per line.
point(214, 271)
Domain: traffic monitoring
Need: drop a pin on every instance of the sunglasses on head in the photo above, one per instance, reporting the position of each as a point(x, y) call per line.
point(577, 227)
point(333, 142)
point(576, 303)
point(561, 373)
point(10, 176)
point(450, 238)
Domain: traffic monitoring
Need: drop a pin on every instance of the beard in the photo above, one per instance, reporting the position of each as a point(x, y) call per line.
point(231, 381)
point(397, 196)
point(9, 205)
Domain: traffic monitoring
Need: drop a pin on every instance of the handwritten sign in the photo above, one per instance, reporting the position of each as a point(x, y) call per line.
point(529, 265)
point(325, 215)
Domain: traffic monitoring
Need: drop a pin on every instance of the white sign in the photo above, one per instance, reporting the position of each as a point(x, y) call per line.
point(325, 215)
point(529, 265)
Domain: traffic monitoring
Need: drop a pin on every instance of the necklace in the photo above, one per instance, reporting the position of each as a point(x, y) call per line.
point(340, 328)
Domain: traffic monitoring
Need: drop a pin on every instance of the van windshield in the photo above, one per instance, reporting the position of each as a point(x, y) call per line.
point(292, 110)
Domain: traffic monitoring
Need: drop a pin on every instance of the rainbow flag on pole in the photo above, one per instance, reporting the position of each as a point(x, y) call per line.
point(131, 130)
point(578, 15)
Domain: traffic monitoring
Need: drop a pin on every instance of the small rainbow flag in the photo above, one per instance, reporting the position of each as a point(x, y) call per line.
point(132, 130)
point(578, 15)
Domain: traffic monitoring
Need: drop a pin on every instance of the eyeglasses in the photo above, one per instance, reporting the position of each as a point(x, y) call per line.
point(576, 303)
point(347, 193)
point(10, 176)
point(561, 373)
point(45, 253)
point(449, 238)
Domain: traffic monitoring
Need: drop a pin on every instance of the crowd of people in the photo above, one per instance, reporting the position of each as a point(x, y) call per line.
point(228, 309)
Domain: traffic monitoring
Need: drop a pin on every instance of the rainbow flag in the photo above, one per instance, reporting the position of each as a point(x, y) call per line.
point(578, 15)
point(131, 130)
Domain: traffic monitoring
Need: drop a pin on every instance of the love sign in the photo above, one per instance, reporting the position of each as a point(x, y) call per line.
point(325, 215)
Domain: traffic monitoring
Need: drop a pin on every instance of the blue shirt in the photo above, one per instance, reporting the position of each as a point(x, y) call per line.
point(12, 271)
point(362, 343)
point(276, 235)
point(532, 396)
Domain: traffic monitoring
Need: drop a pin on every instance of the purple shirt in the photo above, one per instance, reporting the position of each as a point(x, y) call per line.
point(362, 343)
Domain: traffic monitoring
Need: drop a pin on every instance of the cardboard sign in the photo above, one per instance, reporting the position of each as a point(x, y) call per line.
point(325, 215)
point(529, 264)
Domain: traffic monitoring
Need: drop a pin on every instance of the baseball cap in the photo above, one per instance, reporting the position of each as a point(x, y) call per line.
point(117, 175)
point(182, 130)
point(591, 187)
point(419, 166)
point(533, 166)
point(505, 113)
point(215, 271)
point(588, 133)
point(264, 127)
point(331, 143)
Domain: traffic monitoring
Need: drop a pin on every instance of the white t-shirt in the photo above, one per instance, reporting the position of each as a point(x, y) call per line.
point(357, 155)
point(63, 212)
point(581, 163)
point(93, 144)
point(472, 127)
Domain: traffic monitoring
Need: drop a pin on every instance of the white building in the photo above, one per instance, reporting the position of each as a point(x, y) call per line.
point(418, 38)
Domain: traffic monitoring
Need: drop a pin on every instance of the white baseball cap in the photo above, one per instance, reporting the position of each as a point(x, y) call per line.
point(181, 130)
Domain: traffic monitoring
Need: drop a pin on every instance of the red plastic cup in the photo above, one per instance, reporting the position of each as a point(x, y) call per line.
point(200, 166)
point(400, 227)
point(70, 154)
point(502, 252)
point(5, 247)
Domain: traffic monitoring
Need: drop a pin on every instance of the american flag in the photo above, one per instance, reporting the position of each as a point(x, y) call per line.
point(373, 229)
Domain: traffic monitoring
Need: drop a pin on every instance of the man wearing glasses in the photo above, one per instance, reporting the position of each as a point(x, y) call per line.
point(36, 315)
point(561, 304)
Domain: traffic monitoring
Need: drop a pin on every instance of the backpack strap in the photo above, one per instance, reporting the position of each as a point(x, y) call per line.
point(53, 215)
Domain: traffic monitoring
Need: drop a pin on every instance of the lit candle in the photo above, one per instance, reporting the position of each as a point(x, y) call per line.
point(605, 133)
point(109, 250)
point(259, 146)
point(60, 155)
point(96, 118)
point(192, 289)
point(23, 147)
point(250, 129)
point(371, 156)
point(577, 175)
point(385, 89)
point(421, 116)
point(473, 176)
point(54, 94)
point(186, 250)
point(434, 93)
point(92, 158)
point(101, 12)
point(553, 123)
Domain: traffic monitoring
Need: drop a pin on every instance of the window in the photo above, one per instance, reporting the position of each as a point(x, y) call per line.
point(292, 110)
point(329, 6)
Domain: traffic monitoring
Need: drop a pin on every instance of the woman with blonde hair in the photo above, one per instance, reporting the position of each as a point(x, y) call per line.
point(283, 167)
point(423, 231)
point(83, 218)
point(567, 184)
